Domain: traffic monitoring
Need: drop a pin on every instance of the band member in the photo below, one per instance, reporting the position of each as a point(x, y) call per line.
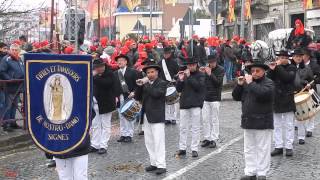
point(191, 85)
point(170, 68)
point(283, 75)
point(305, 76)
point(315, 67)
point(104, 90)
point(126, 79)
point(151, 92)
point(74, 165)
point(255, 91)
point(210, 111)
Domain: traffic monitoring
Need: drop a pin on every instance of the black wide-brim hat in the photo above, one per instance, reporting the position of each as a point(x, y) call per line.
point(98, 63)
point(297, 51)
point(212, 58)
point(190, 60)
point(122, 56)
point(258, 64)
point(283, 53)
point(150, 63)
point(168, 49)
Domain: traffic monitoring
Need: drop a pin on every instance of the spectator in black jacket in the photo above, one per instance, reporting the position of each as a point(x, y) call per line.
point(255, 92)
point(191, 85)
point(210, 111)
point(298, 37)
point(169, 69)
point(105, 88)
point(3, 54)
point(283, 75)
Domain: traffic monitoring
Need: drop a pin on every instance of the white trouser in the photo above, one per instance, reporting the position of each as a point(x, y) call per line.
point(126, 127)
point(283, 121)
point(310, 124)
point(303, 127)
point(154, 136)
point(177, 111)
point(210, 120)
point(187, 117)
point(73, 168)
point(101, 129)
point(257, 149)
point(169, 109)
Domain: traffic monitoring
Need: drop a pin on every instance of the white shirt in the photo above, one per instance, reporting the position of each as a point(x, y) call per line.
point(123, 70)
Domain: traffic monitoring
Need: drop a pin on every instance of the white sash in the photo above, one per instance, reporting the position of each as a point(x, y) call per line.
point(166, 71)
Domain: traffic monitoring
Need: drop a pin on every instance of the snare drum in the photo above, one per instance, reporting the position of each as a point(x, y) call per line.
point(130, 109)
point(305, 106)
point(172, 95)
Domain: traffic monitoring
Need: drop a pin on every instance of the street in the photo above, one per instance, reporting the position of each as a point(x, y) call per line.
point(127, 161)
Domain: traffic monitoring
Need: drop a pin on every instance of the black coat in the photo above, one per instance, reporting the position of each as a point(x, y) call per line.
point(306, 76)
point(257, 104)
point(130, 77)
point(315, 67)
point(303, 40)
point(153, 97)
point(214, 84)
point(106, 89)
point(172, 66)
point(283, 77)
point(192, 90)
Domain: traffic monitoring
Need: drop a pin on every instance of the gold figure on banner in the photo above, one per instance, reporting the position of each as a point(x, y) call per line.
point(57, 97)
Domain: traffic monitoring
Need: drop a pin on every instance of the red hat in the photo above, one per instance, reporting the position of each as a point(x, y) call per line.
point(145, 37)
point(16, 42)
point(124, 50)
point(104, 41)
point(141, 47)
point(149, 46)
point(44, 43)
point(93, 48)
point(236, 38)
point(242, 41)
point(68, 50)
point(36, 45)
point(195, 36)
point(143, 55)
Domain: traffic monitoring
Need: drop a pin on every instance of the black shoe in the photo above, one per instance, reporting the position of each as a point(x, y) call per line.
point(15, 126)
point(195, 154)
point(51, 164)
point(173, 122)
point(205, 143)
point(309, 134)
point(262, 178)
point(301, 141)
point(92, 149)
point(289, 152)
point(151, 168)
point(277, 151)
point(296, 128)
point(122, 138)
point(248, 178)
point(167, 122)
point(181, 153)
point(160, 171)
point(212, 144)
point(141, 133)
point(102, 151)
point(7, 128)
point(127, 139)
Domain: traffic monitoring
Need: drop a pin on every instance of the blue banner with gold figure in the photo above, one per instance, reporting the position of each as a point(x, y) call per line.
point(58, 100)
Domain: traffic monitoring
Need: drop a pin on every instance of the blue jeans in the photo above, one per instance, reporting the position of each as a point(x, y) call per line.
point(11, 107)
point(228, 67)
point(2, 104)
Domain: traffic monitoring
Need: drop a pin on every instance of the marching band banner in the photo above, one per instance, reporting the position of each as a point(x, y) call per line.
point(58, 100)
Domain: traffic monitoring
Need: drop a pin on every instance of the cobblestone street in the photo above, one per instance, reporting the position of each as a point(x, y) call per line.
point(127, 161)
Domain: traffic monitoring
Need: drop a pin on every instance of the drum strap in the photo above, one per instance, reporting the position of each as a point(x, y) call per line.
point(123, 83)
point(166, 71)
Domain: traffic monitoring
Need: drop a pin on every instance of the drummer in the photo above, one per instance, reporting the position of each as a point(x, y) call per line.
point(315, 67)
point(283, 75)
point(169, 68)
point(210, 111)
point(305, 76)
point(126, 78)
point(152, 91)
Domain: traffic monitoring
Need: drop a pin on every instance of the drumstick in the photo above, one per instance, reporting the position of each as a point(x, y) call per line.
point(306, 86)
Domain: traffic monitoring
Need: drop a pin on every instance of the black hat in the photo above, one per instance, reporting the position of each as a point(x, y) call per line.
point(167, 49)
point(150, 63)
point(98, 63)
point(212, 58)
point(191, 60)
point(122, 56)
point(307, 52)
point(297, 51)
point(283, 53)
point(259, 64)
